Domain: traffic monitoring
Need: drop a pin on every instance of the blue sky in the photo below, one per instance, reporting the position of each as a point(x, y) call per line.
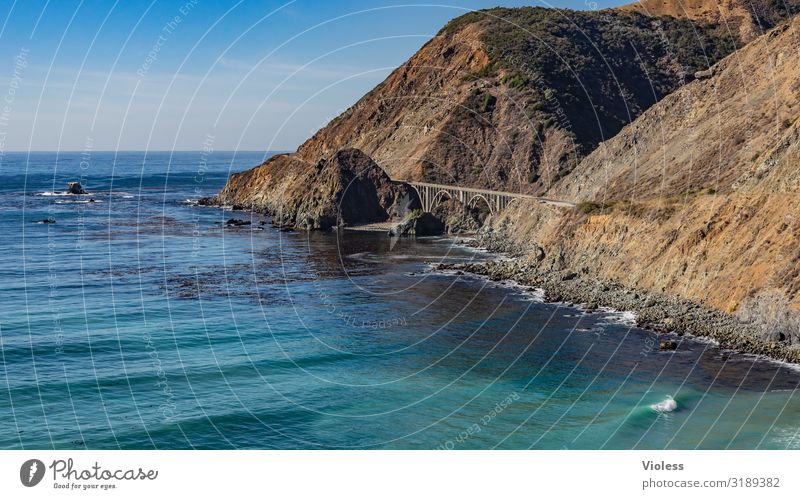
point(162, 75)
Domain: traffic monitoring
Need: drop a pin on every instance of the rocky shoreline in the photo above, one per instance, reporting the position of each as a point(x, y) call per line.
point(662, 313)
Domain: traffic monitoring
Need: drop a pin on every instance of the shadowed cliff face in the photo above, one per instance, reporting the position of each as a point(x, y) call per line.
point(347, 188)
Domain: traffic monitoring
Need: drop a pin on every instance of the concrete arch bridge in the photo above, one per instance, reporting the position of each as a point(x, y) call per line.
point(430, 195)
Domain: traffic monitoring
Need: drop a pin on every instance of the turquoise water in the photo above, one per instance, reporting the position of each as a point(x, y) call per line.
point(141, 321)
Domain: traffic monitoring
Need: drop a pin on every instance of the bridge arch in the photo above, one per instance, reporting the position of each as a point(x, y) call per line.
point(474, 200)
point(438, 198)
point(422, 200)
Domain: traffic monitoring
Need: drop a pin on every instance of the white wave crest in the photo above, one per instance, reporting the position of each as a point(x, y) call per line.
point(666, 405)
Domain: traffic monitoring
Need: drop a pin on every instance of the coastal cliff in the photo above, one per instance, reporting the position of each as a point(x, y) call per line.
point(680, 154)
point(347, 188)
point(697, 198)
point(513, 99)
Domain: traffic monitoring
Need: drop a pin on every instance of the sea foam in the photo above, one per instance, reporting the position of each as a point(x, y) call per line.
point(666, 405)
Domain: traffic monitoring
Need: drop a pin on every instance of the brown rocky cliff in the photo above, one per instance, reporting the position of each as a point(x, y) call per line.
point(347, 188)
point(396, 122)
point(509, 99)
point(698, 197)
point(714, 134)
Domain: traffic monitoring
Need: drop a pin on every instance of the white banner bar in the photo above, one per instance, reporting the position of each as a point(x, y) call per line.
point(401, 474)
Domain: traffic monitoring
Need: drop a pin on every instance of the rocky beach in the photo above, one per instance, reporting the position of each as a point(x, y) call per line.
point(670, 316)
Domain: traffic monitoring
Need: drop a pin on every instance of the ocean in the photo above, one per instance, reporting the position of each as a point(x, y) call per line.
point(139, 320)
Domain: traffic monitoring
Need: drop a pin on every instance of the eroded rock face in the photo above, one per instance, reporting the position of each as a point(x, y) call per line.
point(345, 189)
point(421, 224)
point(75, 188)
point(458, 218)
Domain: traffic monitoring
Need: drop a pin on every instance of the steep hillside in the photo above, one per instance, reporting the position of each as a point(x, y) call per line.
point(512, 99)
point(745, 18)
point(684, 186)
point(712, 135)
point(698, 197)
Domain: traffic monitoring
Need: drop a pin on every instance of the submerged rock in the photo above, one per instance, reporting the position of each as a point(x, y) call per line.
point(75, 188)
point(235, 222)
point(209, 201)
point(668, 345)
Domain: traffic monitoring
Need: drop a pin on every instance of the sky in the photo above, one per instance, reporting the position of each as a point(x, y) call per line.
point(191, 74)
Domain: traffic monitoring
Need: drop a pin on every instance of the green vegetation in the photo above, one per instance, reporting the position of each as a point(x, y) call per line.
point(411, 215)
point(516, 80)
point(488, 103)
point(485, 72)
point(478, 102)
point(770, 12)
point(684, 196)
point(460, 22)
point(596, 70)
point(594, 207)
point(562, 173)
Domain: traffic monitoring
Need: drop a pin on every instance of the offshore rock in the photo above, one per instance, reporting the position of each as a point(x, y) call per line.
point(75, 188)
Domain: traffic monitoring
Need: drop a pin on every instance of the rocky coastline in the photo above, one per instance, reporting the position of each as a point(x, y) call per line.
point(668, 315)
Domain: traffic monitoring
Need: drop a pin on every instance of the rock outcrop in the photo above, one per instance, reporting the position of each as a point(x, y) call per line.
point(75, 188)
point(419, 224)
point(346, 188)
point(458, 218)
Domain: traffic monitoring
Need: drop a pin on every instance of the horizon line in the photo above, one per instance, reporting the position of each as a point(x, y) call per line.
point(22, 151)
